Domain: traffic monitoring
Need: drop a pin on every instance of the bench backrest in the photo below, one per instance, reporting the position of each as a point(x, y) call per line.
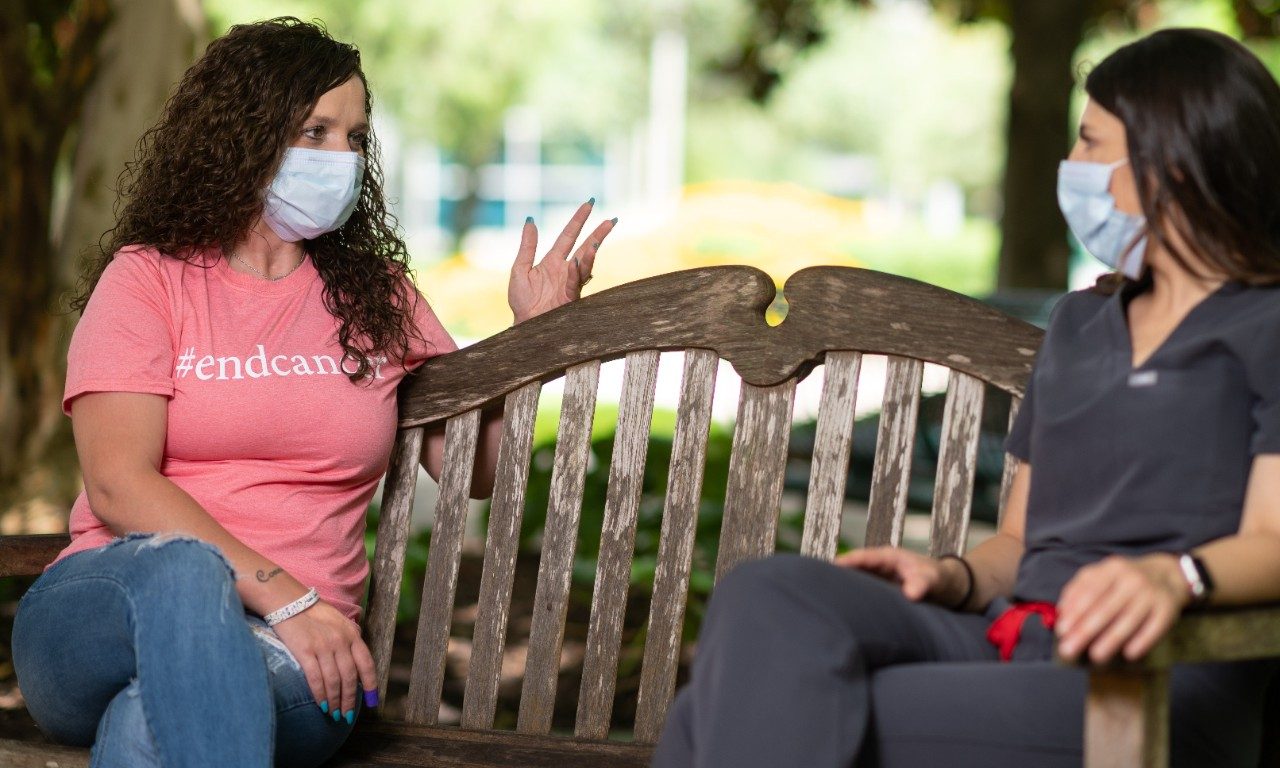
point(835, 316)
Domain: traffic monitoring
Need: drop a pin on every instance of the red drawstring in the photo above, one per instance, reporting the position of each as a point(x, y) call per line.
point(1005, 632)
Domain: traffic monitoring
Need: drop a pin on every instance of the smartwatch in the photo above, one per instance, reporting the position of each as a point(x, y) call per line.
point(1199, 582)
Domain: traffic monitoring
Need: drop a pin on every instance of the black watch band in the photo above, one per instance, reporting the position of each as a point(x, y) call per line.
point(1197, 577)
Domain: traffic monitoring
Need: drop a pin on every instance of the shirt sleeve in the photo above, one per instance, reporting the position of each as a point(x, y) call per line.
point(1263, 374)
point(124, 340)
point(435, 339)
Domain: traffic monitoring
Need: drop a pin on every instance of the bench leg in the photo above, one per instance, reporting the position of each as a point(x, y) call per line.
point(1126, 719)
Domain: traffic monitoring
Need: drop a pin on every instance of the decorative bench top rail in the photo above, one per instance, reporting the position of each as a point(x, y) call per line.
point(722, 309)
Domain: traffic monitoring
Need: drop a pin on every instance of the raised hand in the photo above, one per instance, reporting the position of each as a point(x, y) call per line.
point(558, 278)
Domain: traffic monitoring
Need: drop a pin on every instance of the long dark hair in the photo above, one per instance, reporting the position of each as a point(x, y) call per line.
point(198, 179)
point(1202, 118)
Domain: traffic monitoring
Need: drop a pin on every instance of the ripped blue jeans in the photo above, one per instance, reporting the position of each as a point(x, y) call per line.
point(143, 649)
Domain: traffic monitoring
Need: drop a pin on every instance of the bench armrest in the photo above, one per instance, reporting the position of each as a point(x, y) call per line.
point(28, 555)
point(1219, 634)
point(1127, 708)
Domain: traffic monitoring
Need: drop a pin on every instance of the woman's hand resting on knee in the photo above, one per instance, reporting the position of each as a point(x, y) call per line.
point(333, 656)
point(1120, 604)
point(921, 578)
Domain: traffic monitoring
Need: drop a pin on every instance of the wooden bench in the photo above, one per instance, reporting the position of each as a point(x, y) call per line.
point(836, 315)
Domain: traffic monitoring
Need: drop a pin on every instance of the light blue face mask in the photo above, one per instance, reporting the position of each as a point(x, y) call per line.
point(314, 192)
point(1090, 210)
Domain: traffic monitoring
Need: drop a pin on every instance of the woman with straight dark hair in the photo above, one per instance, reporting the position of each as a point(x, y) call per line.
point(232, 388)
point(1152, 421)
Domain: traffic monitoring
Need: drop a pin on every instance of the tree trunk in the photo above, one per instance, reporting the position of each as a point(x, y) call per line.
point(1033, 247)
point(110, 78)
point(464, 213)
point(47, 61)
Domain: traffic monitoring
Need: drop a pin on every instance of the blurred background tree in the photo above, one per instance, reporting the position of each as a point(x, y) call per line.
point(77, 91)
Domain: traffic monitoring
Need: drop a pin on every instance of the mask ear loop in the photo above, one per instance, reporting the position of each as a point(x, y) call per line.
point(1140, 240)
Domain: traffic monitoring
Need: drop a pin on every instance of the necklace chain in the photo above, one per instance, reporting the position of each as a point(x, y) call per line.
point(255, 271)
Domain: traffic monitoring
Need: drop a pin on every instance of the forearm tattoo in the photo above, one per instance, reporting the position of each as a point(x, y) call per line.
point(264, 576)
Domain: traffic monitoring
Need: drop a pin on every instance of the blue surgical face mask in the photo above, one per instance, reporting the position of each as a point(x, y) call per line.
point(1090, 210)
point(314, 192)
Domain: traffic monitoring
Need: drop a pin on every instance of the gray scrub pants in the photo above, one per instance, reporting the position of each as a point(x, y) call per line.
point(803, 663)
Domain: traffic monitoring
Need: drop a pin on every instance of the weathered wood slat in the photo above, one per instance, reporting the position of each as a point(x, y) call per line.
point(675, 549)
point(1126, 719)
point(617, 542)
point(957, 459)
point(393, 745)
point(426, 680)
point(502, 544)
point(389, 549)
point(1010, 463)
point(28, 555)
point(722, 308)
point(756, 465)
point(829, 470)
point(560, 538)
point(891, 474)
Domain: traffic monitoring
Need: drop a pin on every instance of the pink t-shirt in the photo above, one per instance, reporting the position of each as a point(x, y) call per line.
point(265, 430)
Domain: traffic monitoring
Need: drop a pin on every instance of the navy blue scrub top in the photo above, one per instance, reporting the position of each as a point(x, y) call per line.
point(1151, 459)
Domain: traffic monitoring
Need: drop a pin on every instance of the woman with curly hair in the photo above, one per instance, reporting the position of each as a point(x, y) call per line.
point(232, 389)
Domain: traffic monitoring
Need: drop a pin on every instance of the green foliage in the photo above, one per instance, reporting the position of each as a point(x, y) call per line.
point(924, 98)
point(964, 262)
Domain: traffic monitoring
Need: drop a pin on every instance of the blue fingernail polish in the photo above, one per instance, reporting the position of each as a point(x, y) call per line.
point(371, 698)
point(351, 716)
point(324, 707)
point(528, 219)
point(592, 201)
point(337, 714)
point(614, 219)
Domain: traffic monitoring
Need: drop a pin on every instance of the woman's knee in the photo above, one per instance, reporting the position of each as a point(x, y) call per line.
point(171, 557)
point(779, 577)
point(171, 571)
point(771, 586)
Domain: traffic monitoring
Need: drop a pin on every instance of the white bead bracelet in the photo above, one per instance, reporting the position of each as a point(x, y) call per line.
point(292, 609)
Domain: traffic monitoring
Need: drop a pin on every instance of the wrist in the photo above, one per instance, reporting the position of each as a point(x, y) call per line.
point(262, 598)
point(1197, 583)
point(289, 610)
point(1169, 575)
point(958, 582)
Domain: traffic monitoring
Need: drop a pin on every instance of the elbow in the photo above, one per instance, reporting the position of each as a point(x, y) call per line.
point(104, 499)
point(111, 495)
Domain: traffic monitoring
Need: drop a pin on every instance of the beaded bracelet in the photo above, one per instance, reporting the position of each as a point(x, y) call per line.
point(968, 593)
point(292, 609)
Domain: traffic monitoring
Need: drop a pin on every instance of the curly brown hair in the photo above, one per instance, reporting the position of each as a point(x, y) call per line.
point(200, 174)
